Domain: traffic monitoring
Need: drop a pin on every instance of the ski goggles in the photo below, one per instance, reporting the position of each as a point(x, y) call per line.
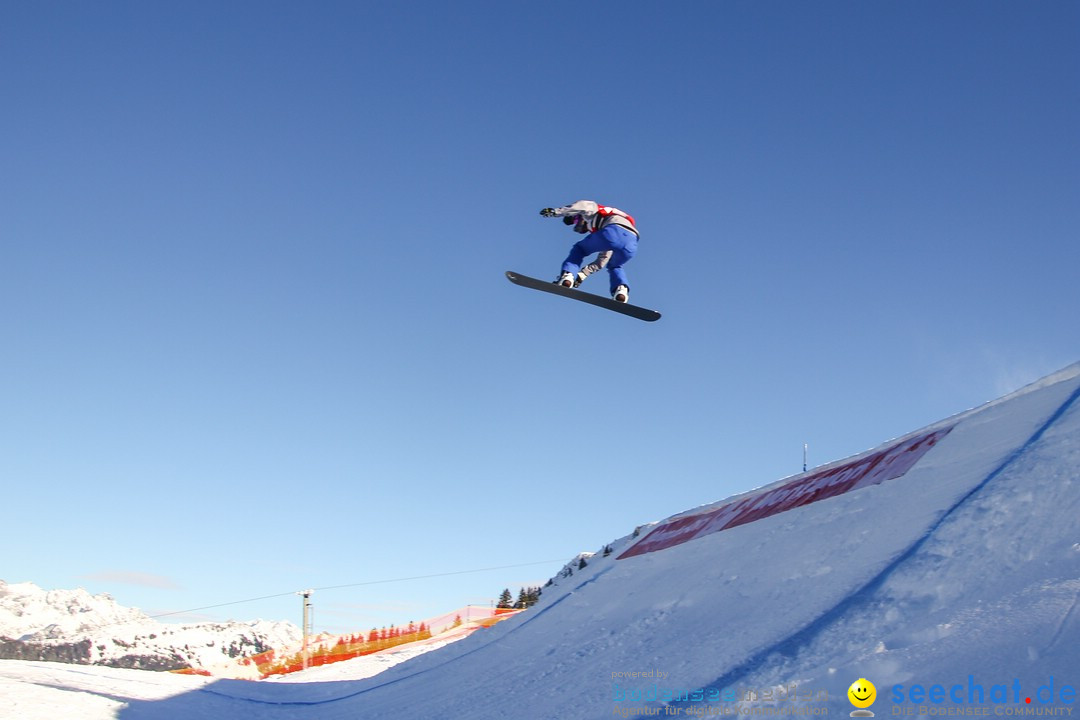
point(579, 223)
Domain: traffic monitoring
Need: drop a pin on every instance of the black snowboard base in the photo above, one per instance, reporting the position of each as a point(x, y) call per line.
point(600, 301)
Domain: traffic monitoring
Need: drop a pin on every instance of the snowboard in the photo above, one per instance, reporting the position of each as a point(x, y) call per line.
point(600, 301)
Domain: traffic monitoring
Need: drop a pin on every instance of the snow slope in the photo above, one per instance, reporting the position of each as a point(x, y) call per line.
point(953, 587)
point(75, 626)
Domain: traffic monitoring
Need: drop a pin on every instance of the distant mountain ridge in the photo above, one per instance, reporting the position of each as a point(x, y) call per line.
point(75, 626)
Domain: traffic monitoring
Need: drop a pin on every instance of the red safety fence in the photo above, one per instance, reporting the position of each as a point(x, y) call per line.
point(873, 469)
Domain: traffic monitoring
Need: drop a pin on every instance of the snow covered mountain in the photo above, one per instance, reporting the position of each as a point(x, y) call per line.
point(77, 627)
point(943, 567)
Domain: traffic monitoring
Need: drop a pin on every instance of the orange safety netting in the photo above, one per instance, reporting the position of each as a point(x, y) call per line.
point(325, 649)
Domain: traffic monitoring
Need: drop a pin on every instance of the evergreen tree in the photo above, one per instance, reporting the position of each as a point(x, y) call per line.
point(527, 597)
point(506, 600)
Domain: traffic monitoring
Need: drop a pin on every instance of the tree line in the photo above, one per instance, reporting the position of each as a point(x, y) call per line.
point(527, 597)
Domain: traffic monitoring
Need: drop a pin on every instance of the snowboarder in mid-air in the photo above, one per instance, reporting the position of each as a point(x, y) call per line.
point(611, 235)
point(609, 232)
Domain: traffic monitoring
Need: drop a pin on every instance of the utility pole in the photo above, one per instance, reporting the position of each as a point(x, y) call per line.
point(307, 623)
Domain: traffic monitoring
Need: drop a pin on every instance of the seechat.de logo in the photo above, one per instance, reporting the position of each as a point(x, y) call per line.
point(862, 694)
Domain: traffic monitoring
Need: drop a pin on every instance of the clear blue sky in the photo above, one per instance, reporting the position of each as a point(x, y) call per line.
point(256, 335)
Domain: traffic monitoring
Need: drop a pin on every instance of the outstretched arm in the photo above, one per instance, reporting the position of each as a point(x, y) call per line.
point(588, 208)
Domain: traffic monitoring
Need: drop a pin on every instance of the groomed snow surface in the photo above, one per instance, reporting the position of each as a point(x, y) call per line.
point(954, 589)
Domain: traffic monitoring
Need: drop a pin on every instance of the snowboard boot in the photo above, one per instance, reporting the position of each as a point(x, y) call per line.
point(621, 294)
point(566, 280)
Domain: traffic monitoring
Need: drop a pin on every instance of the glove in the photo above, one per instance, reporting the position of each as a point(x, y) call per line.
point(548, 212)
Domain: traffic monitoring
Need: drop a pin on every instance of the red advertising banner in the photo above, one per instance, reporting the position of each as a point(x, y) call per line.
point(873, 469)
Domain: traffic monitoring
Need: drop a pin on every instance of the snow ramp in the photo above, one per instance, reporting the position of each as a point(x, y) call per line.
point(948, 558)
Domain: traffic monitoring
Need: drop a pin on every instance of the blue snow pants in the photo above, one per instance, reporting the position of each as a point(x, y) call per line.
point(623, 244)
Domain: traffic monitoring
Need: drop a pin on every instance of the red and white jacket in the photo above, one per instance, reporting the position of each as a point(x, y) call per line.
point(597, 216)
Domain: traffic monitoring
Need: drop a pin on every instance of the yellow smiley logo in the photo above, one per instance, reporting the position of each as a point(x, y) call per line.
point(862, 693)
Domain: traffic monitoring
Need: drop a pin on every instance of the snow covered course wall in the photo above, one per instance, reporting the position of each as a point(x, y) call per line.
point(943, 567)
